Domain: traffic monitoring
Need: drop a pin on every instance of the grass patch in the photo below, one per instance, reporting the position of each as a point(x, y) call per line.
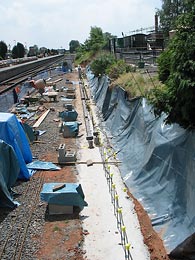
point(83, 58)
point(136, 84)
point(56, 228)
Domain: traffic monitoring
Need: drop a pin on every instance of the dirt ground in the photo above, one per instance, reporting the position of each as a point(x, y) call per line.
point(63, 235)
point(151, 238)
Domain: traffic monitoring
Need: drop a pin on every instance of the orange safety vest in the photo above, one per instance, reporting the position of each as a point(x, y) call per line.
point(17, 89)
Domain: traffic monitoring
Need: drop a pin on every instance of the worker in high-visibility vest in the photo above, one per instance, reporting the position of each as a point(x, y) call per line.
point(16, 92)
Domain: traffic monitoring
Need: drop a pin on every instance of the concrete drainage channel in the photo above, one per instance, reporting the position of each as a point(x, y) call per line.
point(88, 116)
point(110, 220)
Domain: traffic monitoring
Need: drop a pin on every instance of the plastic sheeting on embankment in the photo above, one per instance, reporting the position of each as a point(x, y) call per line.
point(158, 163)
point(12, 133)
point(9, 170)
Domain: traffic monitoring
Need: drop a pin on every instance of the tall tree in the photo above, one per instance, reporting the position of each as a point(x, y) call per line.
point(18, 50)
point(3, 49)
point(177, 97)
point(21, 50)
point(171, 9)
point(96, 39)
point(96, 42)
point(73, 45)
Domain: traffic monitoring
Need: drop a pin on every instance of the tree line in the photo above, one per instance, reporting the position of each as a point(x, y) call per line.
point(19, 51)
point(176, 65)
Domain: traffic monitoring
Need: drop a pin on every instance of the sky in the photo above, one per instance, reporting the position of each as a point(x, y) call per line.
point(54, 23)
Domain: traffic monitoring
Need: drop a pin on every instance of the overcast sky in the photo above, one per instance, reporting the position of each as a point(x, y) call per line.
point(54, 23)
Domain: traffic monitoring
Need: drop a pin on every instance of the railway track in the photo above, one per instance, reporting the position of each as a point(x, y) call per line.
point(18, 227)
point(12, 82)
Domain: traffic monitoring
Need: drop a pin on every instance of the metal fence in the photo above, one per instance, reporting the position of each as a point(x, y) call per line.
point(135, 57)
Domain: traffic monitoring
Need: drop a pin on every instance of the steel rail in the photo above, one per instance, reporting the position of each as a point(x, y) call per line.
point(23, 76)
point(33, 208)
point(19, 245)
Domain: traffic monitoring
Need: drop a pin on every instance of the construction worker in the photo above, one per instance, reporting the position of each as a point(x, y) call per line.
point(79, 71)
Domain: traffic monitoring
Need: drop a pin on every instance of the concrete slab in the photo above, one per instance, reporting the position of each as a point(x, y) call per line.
point(99, 219)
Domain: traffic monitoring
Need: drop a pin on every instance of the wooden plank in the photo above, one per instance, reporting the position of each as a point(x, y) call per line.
point(58, 187)
point(51, 83)
point(41, 118)
point(88, 162)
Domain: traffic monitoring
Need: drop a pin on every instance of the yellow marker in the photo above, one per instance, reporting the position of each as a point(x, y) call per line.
point(108, 167)
point(113, 186)
point(106, 159)
point(116, 197)
point(109, 150)
point(104, 153)
point(127, 246)
point(111, 175)
point(123, 228)
point(119, 210)
point(125, 189)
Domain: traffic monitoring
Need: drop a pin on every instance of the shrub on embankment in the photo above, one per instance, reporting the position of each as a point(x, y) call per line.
point(97, 41)
point(173, 92)
point(135, 83)
point(177, 72)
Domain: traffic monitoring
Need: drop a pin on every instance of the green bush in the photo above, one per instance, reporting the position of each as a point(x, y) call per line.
point(164, 65)
point(107, 64)
point(177, 70)
point(117, 68)
point(83, 58)
point(101, 64)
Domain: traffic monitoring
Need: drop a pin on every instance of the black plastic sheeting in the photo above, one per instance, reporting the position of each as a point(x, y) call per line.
point(9, 171)
point(158, 160)
point(186, 250)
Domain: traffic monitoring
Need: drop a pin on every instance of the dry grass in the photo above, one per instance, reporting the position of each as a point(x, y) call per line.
point(136, 84)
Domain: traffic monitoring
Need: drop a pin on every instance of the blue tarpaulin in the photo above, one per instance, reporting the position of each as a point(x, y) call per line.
point(71, 195)
point(158, 163)
point(70, 129)
point(40, 165)
point(13, 134)
point(68, 115)
point(9, 171)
